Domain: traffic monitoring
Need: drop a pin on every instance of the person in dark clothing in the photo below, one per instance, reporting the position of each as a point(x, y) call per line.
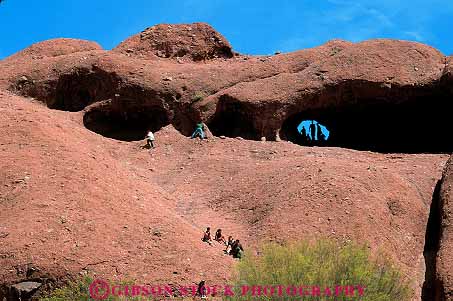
point(229, 244)
point(313, 130)
point(201, 291)
point(219, 237)
point(303, 133)
point(236, 249)
point(207, 236)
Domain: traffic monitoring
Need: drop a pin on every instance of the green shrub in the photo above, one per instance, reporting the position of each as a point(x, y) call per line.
point(79, 290)
point(324, 264)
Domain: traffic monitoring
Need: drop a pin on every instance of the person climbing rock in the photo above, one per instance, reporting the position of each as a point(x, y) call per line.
point(150, 139)
point(199, 131)
point(207, 236)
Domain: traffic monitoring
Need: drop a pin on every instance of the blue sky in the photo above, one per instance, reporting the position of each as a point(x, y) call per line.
point(306, 124)
point(252, 27)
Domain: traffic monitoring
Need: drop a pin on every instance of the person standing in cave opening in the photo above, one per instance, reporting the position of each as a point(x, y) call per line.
point(313, 131)
point(304, 135)
point(150, 139)
point(198, 131)
point(320, 135)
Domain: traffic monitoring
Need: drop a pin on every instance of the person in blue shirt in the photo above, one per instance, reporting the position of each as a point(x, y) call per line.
point(198, 131)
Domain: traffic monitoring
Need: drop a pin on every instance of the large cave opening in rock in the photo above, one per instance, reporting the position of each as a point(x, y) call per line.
point(125, 125)
point(76, 90)
point(232, 120)
point(415, 126)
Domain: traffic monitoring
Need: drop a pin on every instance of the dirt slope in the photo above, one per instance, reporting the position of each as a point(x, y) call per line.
point(71, 201)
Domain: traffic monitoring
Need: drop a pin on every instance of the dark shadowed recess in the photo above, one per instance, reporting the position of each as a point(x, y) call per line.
point(77, 90)
point(418, 125)
point(233, 120)
point(126, 125)
point(432, 286)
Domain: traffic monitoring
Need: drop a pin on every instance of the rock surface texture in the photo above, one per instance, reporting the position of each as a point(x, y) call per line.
point(444, 260)
point(77, 183)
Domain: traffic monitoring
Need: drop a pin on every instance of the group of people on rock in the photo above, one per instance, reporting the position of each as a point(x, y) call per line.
point(199, 132)
point(313, 136)
point(233, 247)
point(316, 134)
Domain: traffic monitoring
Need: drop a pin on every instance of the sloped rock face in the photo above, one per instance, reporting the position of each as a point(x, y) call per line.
point(197, 41)
point(55, 47)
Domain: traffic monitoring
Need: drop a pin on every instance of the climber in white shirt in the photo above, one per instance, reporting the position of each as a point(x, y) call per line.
point(150, 139)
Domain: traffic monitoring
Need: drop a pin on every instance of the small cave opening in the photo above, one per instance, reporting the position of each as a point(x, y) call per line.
point(419, 126)
point(125, 125)
point(231, 120)
point(184, 121)
point(77, 90)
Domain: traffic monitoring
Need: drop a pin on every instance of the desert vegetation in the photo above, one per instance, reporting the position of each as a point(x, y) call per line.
point(325, 269)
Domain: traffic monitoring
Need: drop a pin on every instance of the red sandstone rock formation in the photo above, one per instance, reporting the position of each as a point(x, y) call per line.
point(197, 42)
point(55, 47)
point(108, 207)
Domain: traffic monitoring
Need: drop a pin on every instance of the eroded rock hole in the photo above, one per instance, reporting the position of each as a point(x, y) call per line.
point(411, 127)
point(125, 125)
point(232, 120)
point(77, 90)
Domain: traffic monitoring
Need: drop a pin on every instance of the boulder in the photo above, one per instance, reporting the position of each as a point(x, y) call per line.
point(54, 48)
point(24, 290)
point(197, 42)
